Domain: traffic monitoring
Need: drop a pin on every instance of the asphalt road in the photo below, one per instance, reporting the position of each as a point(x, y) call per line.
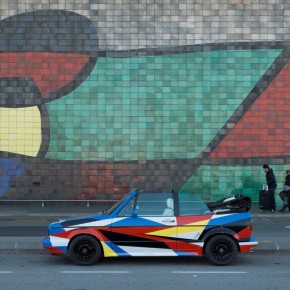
point(272, 233)
point(260, 270)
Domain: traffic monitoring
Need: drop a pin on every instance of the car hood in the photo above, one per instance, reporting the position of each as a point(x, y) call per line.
point(79, 221)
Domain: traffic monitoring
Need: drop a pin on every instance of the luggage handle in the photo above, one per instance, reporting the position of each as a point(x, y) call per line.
point(265, 187)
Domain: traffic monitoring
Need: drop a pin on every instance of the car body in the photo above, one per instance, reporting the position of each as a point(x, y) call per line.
point(154, 224)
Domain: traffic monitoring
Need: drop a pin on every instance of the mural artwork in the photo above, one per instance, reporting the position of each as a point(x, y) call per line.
point(77, 122)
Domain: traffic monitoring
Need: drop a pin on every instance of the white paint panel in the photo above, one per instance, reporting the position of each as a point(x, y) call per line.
point(190, 236)
point(101, 223)
point(147, 252)
point(219, 216)
point(69, 229)
point(167, 221)
point(200, 244)
point(58, 242)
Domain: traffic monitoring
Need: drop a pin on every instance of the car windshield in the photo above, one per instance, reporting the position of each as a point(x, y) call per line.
point(109, 211)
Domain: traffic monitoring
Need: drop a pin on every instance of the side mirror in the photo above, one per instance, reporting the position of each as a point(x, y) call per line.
point(134, 213)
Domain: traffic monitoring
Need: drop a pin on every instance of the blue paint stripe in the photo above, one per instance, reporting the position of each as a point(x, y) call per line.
point(63, 249)
point(116, 249)
point(132, 222)
point(223, 220)
point(46, 242)
point(184, 254)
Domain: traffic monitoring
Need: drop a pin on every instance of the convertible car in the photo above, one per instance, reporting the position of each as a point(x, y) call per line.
point(156, 224)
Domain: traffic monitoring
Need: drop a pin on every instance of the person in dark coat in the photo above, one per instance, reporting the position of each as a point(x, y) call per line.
point(286, 192)
point(271, 182)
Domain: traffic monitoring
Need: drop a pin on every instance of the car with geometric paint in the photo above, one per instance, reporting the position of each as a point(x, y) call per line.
point(154, 224)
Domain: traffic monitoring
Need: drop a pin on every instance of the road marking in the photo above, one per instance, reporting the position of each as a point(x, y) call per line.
point(287, 227)
point(94, 272)
point(209, 272)
point(6, 272)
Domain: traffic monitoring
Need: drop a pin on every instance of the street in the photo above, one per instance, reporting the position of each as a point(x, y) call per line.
point(36, 270)
point(24, 264)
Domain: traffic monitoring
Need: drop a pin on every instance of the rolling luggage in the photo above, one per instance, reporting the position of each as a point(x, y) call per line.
point(266, 200)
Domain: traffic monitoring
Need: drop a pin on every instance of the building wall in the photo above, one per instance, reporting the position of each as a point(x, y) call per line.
point(97, 97)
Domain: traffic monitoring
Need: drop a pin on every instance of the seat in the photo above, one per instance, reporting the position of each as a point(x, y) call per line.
point(169, 211)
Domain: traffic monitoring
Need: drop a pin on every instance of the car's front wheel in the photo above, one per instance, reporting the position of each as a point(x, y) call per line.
point(84, 250)
point(221, 250)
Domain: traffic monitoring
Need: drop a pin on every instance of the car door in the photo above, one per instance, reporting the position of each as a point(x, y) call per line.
point(145, 226)
point(192, 220)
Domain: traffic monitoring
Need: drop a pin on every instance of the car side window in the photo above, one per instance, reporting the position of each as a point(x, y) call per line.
point(150, 204)
point(153, 204)
point(191, 204)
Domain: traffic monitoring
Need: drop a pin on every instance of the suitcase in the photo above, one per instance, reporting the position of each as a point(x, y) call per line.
point(266, 200)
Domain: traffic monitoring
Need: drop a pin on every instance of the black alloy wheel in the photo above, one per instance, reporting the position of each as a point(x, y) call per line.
point(85, 250)
point(221, 250)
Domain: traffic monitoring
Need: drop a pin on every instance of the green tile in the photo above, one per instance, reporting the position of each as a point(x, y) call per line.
point(200, 85)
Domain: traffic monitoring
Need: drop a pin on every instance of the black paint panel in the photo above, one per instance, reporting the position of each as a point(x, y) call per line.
point(128, 240)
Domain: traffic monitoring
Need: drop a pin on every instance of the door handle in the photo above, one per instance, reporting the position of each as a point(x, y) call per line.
point(168, 221)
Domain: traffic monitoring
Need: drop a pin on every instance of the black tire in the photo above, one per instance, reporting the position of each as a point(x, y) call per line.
point(221, 250)
point(84, 250)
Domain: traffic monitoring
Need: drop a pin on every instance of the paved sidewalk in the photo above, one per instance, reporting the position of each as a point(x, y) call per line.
point(65, 210)
point(49, 210)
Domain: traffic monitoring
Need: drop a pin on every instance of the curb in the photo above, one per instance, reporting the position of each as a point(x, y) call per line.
point(21, 243)
point(20, 215)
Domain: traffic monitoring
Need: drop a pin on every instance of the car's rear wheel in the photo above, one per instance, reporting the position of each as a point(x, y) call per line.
point(84, 250)
point(221, 250)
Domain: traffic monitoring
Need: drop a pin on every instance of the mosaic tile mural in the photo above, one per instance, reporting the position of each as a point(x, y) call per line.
point(82, 121)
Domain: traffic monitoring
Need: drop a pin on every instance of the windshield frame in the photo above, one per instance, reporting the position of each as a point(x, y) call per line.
point(118, 203)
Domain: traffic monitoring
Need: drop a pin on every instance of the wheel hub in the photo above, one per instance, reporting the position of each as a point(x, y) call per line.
point(221, 250)
point(85, 251)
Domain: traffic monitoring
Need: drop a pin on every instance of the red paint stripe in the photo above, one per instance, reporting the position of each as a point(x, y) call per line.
point(50, 71)
point(54, 250)
point(245, 233)
point(264, 128)
point(189, 248)
point(185, 220)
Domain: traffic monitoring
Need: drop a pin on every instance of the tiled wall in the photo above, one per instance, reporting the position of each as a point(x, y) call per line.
point(97, 97)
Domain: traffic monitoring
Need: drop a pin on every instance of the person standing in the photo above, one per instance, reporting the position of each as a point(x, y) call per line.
point(272, 184)
point(285, 193)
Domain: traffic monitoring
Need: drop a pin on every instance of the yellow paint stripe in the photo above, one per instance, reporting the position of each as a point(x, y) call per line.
point(201, 223)
point(170, 232)
point(20, 130)
point(187, 228)
point(108, 252)
point(193, 227)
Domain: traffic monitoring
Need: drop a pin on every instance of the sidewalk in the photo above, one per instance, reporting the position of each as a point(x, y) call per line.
point(67, 210)
point(39, 214)
point(51, 210)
